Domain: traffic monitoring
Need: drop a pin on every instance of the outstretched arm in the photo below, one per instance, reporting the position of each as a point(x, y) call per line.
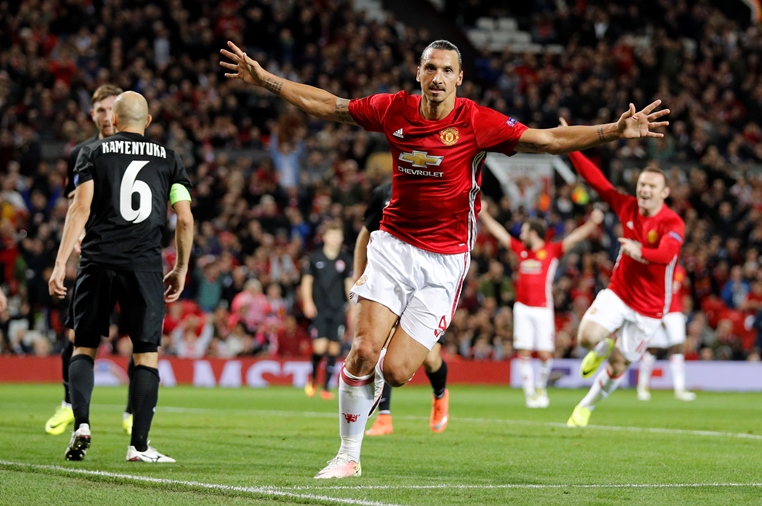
point(595, 178)
point(314, 101)
point(580, 233)
point(493, 227)
point(564, 138)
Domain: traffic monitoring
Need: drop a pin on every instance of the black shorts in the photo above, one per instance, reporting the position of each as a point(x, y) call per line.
point(329, 324)
point(69, 323)
point(141, 300)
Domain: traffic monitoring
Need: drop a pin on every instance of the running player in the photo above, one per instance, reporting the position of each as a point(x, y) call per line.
point(325, 291)
point(102, 101)
point(638, 296)
point(669, 336)
point(122, 187)
point(433, 364)
point(533, 318)
point(418, 260)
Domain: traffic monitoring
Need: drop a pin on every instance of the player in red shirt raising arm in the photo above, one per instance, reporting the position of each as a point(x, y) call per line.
point(418, 259)
point(533, 319)
point(640, 291)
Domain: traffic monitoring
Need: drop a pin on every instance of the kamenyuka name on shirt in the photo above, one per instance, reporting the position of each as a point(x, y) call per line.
point(134, 148)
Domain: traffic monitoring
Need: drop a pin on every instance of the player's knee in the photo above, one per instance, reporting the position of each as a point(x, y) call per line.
point(432, 362)
point(396, 378)
point(586, 339)
point(618, 364)
point(363, 357)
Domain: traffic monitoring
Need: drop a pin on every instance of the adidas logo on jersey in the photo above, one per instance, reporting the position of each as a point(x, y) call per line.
point(398, 133)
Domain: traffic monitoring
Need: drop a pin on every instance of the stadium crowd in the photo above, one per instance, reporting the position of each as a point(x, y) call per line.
point(266, 178)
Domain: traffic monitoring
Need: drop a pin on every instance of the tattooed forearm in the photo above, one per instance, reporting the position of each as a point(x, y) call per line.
point(529, 146)
point(273, 85)
point(602, 137)
point(341, 111)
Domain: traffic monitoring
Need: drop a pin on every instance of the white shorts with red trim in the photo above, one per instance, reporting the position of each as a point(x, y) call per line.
point(533, 328)
point(634, 331)
point(670, 332)
point(419, 286)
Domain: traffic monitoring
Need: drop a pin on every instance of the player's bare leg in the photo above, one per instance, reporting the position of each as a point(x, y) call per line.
point(605, 383)
point(594, 337)
point(374, 321)
point(436, 370)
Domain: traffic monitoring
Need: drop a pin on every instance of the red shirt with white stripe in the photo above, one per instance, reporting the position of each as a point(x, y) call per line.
point(437, 166)
point(678, 290)
point(644, 285)
point(537, 269)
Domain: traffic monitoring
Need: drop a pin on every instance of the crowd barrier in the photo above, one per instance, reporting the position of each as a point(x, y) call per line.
point(708, 376)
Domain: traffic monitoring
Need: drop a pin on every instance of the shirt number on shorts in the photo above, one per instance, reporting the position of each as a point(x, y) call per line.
point(442, 327)
point(131, 185)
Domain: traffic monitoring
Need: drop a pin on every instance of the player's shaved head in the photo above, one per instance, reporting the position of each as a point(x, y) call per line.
point(130, 113)
point(131, 108)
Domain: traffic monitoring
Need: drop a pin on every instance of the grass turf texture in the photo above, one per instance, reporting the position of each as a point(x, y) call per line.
point(262, 446)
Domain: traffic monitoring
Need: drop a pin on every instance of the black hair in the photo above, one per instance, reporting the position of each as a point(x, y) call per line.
point(444, 45)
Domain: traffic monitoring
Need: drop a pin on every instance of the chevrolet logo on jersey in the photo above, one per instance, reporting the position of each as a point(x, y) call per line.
point(421, 159)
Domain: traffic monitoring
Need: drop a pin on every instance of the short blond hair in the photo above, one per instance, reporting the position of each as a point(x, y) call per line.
point(105, 91)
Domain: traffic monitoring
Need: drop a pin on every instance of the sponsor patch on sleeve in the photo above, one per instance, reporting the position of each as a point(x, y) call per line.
point(676, 236)
point(511, 122)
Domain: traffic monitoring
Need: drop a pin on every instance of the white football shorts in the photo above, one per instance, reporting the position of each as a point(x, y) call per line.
point(533, 328)
point(634, 331)
point(671, 331)
point(419, 286)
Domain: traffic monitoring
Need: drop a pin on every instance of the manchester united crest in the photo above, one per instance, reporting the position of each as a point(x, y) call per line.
point(449, 136)
point(652, 236)
point(542, 254)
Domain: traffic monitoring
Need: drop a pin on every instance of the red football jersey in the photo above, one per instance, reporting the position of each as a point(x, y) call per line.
point(437, 173)
point(678, 290)
point(534, 286)
point(644, 285)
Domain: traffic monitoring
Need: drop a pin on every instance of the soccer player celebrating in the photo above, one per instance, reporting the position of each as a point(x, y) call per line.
point(102, 102)
point(122, 187)
point(638, 296)
point(670, 336)
point(533, 319)
point(433, 364)
point(325, 290)
point(418, 260)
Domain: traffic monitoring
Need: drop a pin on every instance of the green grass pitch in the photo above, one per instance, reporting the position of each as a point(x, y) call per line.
point(263, 446)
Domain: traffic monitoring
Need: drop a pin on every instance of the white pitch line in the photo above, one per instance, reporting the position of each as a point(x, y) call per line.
point(532, 486)
point(263, 491)
point(618, 428)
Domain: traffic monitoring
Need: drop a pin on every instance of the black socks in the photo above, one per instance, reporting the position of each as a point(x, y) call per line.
point(144, 392)
point(65, 359)
point(81, 380)
point(438, 380)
